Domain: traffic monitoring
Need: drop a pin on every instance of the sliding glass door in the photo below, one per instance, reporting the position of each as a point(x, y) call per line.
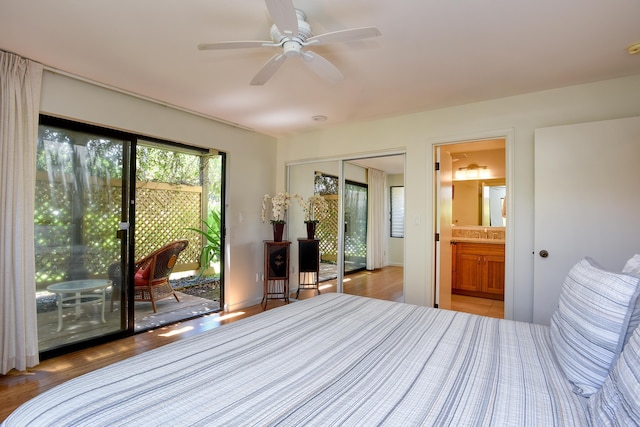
point(355, 226)
point(179, 197)
point(81, 221)
point(106, 200)
point(347, 187)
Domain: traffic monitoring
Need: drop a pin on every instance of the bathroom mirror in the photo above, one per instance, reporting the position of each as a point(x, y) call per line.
point(479, 202)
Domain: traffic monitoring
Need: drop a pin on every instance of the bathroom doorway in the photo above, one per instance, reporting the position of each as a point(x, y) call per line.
point(470, 239)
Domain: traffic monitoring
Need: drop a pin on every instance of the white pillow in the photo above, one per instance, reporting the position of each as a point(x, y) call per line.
point(618, 401)
point(590, 324)
point(633, 267)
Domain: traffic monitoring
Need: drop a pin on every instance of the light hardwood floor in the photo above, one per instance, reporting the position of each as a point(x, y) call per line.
point(18, 387)
point(481, 306)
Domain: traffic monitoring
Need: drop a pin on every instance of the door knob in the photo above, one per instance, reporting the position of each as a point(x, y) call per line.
point(544, 253)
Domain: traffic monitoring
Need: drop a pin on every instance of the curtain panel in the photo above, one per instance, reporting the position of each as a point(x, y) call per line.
point(376, 236)
point(20, 84)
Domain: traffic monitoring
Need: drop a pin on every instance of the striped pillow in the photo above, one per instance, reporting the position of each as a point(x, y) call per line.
point(618, 401)
point(590, 324)
point(632, 267)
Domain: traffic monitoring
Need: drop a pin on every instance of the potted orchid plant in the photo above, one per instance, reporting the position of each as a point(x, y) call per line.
point(279, 207)
point(315, 208)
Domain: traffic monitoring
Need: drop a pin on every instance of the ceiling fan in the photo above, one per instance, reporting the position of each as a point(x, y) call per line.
point(291, 32)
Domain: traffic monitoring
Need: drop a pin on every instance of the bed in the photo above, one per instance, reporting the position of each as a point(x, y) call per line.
point(333, 359)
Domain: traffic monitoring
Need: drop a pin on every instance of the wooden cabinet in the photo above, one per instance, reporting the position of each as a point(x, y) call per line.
point(276, 272)
point(308, 265)
point(478, 269)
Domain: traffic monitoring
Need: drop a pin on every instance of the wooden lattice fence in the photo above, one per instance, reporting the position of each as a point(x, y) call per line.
point(327, 231)
point(77, 238)
point(163, 213)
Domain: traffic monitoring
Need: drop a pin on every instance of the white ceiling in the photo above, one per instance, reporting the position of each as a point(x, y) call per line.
point(431, 54)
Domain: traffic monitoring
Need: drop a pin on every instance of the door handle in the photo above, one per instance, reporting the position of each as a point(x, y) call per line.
point(544, 253)
point(122, 232)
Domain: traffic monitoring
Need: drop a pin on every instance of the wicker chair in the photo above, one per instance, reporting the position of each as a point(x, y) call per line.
point(151, 274)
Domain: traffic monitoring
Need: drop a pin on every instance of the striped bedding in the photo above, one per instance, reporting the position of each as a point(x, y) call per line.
point(330, 360)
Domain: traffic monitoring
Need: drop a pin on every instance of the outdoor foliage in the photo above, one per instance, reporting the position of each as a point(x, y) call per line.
point(171, 167)
point(211, 250)
point(78, 200)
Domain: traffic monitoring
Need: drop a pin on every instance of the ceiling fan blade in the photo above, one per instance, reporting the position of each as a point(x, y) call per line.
point(322, 67)
point(284, 16)
point(268, 70)
point(343, 35)
point(235, 45)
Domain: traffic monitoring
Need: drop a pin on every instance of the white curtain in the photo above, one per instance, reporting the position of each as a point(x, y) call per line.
point(20, 83)
point(376, 221)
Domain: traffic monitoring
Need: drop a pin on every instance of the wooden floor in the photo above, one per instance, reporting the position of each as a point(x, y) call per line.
point(18, 387)
point(481, 306)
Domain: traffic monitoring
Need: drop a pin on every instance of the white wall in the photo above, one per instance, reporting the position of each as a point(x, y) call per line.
point(251, 163)
point(417, 133)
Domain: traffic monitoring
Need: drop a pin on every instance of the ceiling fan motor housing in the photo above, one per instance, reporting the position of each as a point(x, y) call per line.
point(292, 45)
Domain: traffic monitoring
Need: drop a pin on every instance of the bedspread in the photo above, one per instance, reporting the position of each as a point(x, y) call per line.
point(330, 360)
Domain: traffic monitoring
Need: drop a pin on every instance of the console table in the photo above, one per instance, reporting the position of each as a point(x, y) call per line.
point(276, 271)
point(308, 265)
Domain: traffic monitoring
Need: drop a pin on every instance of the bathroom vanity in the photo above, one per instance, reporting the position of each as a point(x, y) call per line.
point(478, 262)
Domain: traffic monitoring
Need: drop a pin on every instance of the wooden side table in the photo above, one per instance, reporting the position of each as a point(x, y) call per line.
point(276, 271)
point(308, 265)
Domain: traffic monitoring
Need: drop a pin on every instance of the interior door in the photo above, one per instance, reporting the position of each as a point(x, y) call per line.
point(444, 214)
point(586, 202)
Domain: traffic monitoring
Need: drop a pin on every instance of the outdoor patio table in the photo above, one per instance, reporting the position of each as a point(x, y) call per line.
point(77, 293)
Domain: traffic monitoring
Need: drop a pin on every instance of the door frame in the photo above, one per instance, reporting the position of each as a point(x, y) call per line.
point(508, 135)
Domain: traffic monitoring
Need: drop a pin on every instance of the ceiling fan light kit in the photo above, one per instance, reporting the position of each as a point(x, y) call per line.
point(291, 32)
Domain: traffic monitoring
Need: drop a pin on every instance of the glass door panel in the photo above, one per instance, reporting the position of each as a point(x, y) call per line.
point(178, 197)
point(305, 180)
point(81, 193)
point(355, 227)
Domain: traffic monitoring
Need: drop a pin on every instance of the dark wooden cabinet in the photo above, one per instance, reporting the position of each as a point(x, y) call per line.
point(308, 265)
point(276, 271)
point(478, 270)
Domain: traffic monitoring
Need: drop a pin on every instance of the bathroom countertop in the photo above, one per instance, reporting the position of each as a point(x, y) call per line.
point(477, 240)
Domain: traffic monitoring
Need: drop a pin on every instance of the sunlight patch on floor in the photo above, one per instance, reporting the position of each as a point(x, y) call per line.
point(176, 331)
point(229, 316)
